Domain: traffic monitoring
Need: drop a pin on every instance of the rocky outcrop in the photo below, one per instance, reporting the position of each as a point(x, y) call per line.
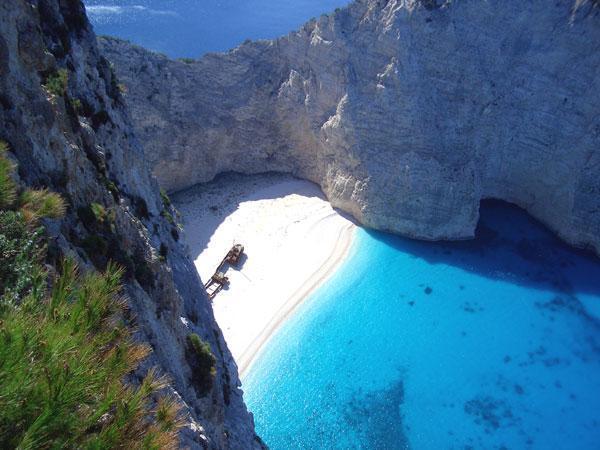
point(73, 136)
point(407, 113)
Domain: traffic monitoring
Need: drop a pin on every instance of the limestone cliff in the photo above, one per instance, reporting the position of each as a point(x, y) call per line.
point(407, 113)
point(63, 116)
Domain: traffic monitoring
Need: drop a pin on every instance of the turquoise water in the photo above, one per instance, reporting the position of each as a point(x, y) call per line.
point(190, 28)
point(491, 343)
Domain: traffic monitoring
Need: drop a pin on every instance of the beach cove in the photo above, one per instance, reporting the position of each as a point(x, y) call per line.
point(294, 240)
point(488, 343)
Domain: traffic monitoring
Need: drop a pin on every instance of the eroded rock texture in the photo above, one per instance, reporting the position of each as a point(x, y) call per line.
point(406, 113)
point(77, 140)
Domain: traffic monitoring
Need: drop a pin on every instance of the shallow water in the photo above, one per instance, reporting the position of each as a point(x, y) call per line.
point(491, 343)
point(190, 28)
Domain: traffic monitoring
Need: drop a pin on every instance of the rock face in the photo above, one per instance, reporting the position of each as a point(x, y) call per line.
point(407, 113)
point(77, 140)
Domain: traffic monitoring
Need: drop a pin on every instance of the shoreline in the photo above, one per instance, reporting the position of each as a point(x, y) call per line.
point(289, 307)
point(294, 241)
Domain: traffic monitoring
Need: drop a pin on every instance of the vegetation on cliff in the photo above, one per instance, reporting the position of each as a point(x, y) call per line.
point(65, 347)
point(203, 363)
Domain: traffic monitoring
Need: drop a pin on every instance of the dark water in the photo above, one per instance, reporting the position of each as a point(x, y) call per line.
point(491, 343)
point(190, 28)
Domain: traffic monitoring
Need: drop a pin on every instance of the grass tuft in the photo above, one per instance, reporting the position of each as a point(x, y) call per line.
point(37, 204)
point(56, 83)
point(8, 188)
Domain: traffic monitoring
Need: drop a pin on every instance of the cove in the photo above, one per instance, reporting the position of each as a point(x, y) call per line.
point(489, 343)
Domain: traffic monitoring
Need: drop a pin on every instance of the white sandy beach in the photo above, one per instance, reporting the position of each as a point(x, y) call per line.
point(293, 240)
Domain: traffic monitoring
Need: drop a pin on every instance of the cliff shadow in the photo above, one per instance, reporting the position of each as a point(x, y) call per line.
point(204, 207)
point(512, 246)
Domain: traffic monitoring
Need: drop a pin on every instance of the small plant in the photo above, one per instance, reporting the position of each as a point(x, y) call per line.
point(76, 105)
point(20, 235)
point(8, 188)
point(167, 415)
point(167, 215)
point(41, 203)
point(203, 363)
point(99, 212)
point(56, 83)
point(122, 88)
point(112, 188)
point(187, 60)
point(165, 198)
point(20, 253)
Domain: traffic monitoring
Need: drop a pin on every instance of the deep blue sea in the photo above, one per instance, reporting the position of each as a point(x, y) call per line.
point(485, 344)
point(190, 28)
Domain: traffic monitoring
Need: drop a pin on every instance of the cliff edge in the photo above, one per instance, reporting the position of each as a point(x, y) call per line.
point(66, 125)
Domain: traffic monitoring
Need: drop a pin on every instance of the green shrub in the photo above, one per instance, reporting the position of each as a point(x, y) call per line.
point(97, 218)
point(99, 212)
point(167, 215)
point(20, 253)
point(203, 363)
point(76, 105)
point(21, 248)
point(165, 198)
point(8, 189)
point(56, 83)
point(186, 60)
point(64, 353)
point(112, 188)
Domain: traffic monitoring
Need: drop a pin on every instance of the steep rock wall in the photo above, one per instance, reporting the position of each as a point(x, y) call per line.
point(407, 113)
point(79, 142)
